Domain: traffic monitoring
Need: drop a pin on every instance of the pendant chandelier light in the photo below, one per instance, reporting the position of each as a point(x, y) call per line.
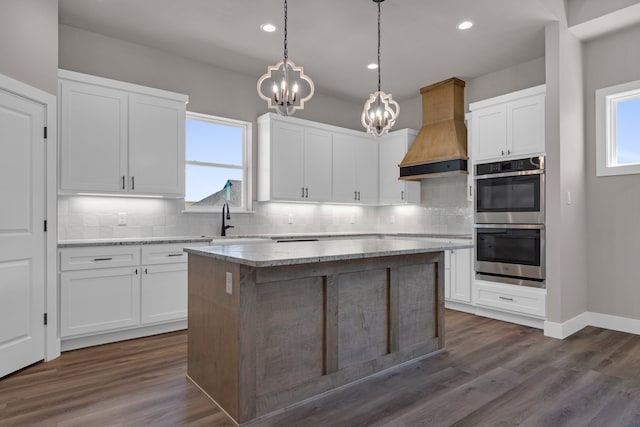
point(380, 110)
point(285, 87)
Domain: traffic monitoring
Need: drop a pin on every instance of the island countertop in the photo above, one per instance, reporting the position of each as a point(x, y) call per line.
point(270, 254)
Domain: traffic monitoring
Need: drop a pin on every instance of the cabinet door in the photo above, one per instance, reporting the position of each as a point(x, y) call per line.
point(392, 149)
point(344, 171)
point(99, 300)
point(287, 162)
point(525, 125)
point(93, 138)
point(164, 293)
point(317, 165)
point(461, 275)
point(366, 166)
point(489, 133)
point(156, 146)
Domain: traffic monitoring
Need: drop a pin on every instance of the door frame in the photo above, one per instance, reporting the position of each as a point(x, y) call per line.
point(49, 101)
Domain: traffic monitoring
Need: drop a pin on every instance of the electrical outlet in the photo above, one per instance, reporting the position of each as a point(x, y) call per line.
point(289, 219)
point(122, 218)
point(229, 283)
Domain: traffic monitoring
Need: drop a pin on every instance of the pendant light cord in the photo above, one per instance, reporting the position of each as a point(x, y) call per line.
point(379, 45)
point(286, 52)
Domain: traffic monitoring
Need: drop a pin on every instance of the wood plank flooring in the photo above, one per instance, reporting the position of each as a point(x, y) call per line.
point(491, 374)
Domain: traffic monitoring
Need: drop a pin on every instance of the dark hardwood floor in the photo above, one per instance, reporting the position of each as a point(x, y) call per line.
point(491, 374)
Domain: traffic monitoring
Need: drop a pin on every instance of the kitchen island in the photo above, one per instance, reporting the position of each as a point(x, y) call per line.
point(271, 324)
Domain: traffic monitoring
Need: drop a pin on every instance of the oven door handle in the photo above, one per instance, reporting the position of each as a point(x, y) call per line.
point(511, 226)
point(507, 174)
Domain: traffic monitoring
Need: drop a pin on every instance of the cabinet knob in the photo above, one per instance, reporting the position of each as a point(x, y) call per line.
point(502, 152)
point(508, 152)
point(358, 195)
point(355, 195)
point(302, 194)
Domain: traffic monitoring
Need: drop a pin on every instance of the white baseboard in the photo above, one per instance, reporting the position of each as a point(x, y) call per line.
point(126, 334)
point(588, 318)
point(509, 317)
point(564, 329)
point(460, 306)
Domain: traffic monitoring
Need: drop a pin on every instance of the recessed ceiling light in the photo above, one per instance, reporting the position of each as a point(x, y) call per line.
point(268, 28)
point(372, 66)
point(465, 25)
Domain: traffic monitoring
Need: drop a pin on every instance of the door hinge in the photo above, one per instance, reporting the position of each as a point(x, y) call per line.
point(45, 319)
point(45, 225)
point(45, 132)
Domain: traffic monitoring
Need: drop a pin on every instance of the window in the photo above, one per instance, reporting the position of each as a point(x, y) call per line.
point(217, 169)
point(618, 130)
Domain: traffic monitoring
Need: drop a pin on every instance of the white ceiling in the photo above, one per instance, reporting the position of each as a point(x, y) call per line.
point(333, 40)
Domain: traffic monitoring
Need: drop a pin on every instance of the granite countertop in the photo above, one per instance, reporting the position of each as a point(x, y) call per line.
point(132, 241)
point(271, 254)
point(346, 234)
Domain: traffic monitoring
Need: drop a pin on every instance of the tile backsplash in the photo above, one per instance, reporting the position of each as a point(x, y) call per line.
point(444, 210)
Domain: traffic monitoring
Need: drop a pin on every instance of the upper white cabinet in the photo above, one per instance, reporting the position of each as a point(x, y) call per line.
point(392, 148)
point(355, 169)
point(509, 126)
point(294, 162)
point(120, 138)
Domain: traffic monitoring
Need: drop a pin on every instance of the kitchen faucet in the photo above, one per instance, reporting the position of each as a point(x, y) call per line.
point(223, 229)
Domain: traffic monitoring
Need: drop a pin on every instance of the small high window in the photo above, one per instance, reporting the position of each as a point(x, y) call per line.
point(618, 130)
point(217, 165)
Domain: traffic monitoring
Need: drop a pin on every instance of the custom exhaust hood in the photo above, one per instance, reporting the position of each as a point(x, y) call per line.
point(441, 145)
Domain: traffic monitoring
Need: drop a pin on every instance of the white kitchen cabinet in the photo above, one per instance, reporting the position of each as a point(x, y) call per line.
point(520, 300)
point(355, 169)
point(93, 144)
point(470, 169)
point(294, 161)
point(460, 270)
point(99, 289)
point(164, 283)
point(120, 138)
point(116, 292)
point(392, 149)
point(509, 126)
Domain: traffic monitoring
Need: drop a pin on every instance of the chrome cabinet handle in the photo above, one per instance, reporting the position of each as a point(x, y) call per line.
point(402, 195)
point(302, 190)
point(133, 183)
point(355, 195)
point(502, 152)
point(358, 195)
point(123, 182)
point(470, 194)
point(175, 254)
point(508, 152)
point(136, 271)
point(102, 259)
point(146, 271)
point(506, 299)
point(306, 192)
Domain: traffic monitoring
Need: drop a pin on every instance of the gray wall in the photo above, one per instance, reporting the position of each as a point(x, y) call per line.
point(613, 203)
point(580, 11)
point(211, 90)
point(29, 42)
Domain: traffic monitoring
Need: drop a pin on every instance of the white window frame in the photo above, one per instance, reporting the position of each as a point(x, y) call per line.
point(606, 148)
point(247, 161)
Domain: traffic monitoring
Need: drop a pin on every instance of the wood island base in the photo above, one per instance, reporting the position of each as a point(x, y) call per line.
point(286, 333)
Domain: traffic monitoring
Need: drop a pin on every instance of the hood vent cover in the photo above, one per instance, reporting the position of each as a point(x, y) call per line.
point(441, 145)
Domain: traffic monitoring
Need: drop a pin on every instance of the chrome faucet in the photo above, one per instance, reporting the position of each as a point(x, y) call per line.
point(224, 228)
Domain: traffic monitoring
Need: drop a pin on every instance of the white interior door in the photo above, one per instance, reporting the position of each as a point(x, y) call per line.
point(22, 240)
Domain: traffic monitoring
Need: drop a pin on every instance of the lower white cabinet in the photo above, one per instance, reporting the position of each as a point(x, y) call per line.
point(521, 300)
point(111, 289)
point(460, 272)
point(97, 300)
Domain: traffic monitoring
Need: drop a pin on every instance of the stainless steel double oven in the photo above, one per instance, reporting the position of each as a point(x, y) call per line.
point(509, 221)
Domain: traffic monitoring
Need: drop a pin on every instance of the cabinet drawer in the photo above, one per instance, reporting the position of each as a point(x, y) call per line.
point(165, 253)
point(99, 257)
point(519, 299)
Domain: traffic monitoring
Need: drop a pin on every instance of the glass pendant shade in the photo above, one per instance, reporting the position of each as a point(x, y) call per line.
point(380, 110)
point(285, 87)
point(380, 113)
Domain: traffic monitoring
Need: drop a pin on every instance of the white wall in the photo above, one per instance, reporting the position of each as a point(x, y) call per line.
point(29, 42)
point(613, 205)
